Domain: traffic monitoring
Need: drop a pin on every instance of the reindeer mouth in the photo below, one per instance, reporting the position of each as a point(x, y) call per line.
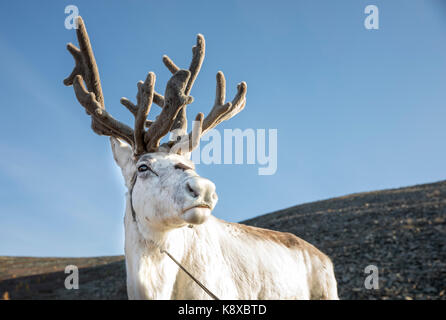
point(201, 205)
point(197, 214)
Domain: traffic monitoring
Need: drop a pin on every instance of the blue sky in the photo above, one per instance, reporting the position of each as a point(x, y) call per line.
point(355, 109)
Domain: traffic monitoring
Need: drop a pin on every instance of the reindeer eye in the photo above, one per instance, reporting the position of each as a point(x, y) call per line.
point(144, 168)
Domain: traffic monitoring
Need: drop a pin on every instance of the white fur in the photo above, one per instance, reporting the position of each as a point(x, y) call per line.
point(227, 259)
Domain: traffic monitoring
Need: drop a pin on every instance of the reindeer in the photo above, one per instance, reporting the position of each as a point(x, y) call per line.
point(168, 223)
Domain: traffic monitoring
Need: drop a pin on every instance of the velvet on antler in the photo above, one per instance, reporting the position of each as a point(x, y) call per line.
point(146, 135)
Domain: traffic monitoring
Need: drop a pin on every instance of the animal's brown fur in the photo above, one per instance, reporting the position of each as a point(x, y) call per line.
point(287, 239)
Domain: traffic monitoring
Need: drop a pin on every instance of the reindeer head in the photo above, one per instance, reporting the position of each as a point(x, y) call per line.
point(164, 189)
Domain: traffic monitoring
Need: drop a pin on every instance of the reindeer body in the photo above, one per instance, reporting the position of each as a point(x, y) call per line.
point(233, 260)
point(166, 196)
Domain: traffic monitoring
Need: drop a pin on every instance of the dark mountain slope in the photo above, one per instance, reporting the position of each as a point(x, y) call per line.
point(401, 231)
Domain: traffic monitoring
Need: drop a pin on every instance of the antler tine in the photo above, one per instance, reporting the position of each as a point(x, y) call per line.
point(157, 98)
point(170, 64)
point(198, 52)
point(175, 99)
point(191, 141)
point(91, 98)
point(144, 102)
point(224, 111)
point(220, 112)
point(94, 108)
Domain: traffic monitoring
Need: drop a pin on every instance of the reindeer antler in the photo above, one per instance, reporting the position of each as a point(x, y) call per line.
point(224, 111)
point(198, 52)
point(220, 112)
point(91, 98)
point(173, 113)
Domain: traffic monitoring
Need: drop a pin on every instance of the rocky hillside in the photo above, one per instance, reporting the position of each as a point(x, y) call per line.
point(401, 231)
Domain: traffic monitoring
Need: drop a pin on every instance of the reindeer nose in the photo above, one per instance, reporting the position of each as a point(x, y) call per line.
point(203, 190)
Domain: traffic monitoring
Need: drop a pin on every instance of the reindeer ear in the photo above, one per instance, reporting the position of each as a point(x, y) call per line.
point(122, 153)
